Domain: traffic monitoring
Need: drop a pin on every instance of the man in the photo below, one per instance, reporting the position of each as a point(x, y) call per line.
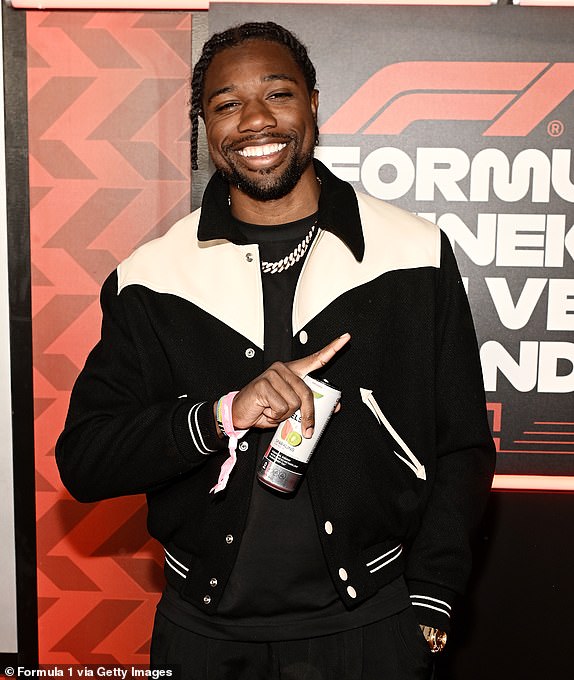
point(206, 336)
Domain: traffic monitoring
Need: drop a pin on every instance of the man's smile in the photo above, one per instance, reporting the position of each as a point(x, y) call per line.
point(261, 150)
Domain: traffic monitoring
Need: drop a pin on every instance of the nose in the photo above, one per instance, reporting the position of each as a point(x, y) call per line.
point(256, 116)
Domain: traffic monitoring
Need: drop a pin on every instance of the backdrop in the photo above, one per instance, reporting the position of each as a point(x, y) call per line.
point(460, 114)
point(109, 159)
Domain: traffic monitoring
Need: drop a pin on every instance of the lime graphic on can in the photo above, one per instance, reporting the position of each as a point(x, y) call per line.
point(288, 455)
point(294, 438)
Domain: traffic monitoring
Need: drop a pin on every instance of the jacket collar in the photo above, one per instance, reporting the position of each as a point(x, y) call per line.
point(338, 212)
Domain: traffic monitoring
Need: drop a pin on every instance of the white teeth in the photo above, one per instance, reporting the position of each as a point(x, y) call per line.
point(258, 151)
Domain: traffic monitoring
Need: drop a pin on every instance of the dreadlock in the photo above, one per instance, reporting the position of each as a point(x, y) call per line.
point(231, 38)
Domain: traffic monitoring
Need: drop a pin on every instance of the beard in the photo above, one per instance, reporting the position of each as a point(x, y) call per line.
point(264, 185)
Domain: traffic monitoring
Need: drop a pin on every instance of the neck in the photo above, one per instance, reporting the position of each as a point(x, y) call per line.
point(299, 203)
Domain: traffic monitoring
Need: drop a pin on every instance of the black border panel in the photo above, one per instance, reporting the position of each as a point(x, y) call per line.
point(18, 215)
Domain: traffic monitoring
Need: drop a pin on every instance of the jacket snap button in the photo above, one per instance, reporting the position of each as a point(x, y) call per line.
point(213, 582)
point(303, 337)
point(229, 539)
point(249, 257)
point(250, 352)
point(207, 599)
point(243, 446)
point(351, 592)
point(328, 528)
point(343, 574)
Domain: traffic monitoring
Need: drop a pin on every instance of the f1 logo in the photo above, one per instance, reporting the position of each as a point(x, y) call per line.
point(516, 96)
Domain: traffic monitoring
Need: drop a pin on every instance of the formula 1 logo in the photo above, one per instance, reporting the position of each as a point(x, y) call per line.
point(516, 96)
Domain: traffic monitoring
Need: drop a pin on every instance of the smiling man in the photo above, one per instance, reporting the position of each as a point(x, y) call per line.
point(261, 126)
point(207, 335)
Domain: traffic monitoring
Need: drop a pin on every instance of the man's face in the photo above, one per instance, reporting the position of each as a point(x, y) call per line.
point(260, 118)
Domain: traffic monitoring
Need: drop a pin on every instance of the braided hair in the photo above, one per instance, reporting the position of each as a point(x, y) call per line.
point(232, 37)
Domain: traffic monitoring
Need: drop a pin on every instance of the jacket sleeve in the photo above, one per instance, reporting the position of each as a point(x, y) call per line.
point(439, 560)
point(116, 440)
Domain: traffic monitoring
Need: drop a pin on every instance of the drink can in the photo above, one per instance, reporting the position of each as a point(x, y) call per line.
point(287, 457)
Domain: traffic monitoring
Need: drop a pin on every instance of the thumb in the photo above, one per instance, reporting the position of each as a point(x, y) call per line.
point(302, 367)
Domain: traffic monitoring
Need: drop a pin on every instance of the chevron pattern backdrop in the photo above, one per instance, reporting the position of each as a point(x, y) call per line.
point(109, 157)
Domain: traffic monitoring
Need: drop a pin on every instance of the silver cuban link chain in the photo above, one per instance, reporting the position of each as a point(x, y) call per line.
point(294, 256)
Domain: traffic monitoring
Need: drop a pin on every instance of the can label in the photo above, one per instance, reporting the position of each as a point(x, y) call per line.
point(287, 457)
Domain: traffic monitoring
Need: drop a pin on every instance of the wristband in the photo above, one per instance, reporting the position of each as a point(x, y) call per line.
point(225, 422)
point(219, 418)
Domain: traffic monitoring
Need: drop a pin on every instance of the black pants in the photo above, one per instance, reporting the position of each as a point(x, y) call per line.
point(392, 649)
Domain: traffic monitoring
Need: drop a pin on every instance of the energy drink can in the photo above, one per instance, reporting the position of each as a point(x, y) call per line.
point(285, 461)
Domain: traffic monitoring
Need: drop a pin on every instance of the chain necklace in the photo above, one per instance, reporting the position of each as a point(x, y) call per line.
point(294, 256)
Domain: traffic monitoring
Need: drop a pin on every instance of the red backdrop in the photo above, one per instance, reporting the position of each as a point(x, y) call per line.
point(109, 156)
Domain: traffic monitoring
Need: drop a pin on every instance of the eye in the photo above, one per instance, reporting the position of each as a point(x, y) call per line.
point(225, 106)
point(284, 94)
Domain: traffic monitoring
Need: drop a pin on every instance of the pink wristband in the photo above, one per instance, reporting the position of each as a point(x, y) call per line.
point(224, 410)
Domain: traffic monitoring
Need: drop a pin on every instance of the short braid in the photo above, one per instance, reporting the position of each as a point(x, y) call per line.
point(236, 35)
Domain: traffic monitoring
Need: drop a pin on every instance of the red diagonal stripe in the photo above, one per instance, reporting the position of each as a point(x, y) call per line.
point(66, 575)
point(35, 59)
point(42, 484)
point(93, 628)
point(44, 603)
point(145, 572)
point(58, 370)
point(40, 405)
point(66, 19)
point(95, 215)
point(64, 513)
point(57, 95)
point(59, 160)
point(149, 161)
point(37, 194)
point(130, 536)
point(137, 108)
point(101, 48)
point(55, 317)
point(39, 278)
point(179, 42)
point(164, 20)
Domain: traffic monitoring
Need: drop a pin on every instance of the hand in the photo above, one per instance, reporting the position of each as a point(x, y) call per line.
point(280, 391)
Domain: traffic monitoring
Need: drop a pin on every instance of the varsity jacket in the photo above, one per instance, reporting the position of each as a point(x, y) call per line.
point(401, 474)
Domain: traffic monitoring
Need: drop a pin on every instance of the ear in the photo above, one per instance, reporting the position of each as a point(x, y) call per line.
point(315, 108)
point(315, 102)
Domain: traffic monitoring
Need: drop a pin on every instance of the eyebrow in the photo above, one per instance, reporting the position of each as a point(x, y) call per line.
point(279, 76)
point(221, 90)
point(266, 79)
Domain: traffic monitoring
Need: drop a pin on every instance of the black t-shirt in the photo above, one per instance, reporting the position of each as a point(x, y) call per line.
point(280, 567)
point(280, 587)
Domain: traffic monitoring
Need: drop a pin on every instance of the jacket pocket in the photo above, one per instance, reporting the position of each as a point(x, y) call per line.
point(400, 448)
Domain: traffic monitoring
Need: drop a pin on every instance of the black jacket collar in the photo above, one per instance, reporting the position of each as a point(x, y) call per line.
point(338, 212)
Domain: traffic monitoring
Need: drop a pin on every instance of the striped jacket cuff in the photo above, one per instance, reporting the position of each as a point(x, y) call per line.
point(195, 429)
point(202, 428)
point(433, 604)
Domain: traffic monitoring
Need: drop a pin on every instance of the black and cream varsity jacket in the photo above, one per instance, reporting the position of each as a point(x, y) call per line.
point(401, 474)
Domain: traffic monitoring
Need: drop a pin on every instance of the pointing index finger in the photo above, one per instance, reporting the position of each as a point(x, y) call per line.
point(302, 367)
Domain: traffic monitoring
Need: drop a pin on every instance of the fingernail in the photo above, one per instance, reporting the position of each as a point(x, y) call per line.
point(309, 432)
